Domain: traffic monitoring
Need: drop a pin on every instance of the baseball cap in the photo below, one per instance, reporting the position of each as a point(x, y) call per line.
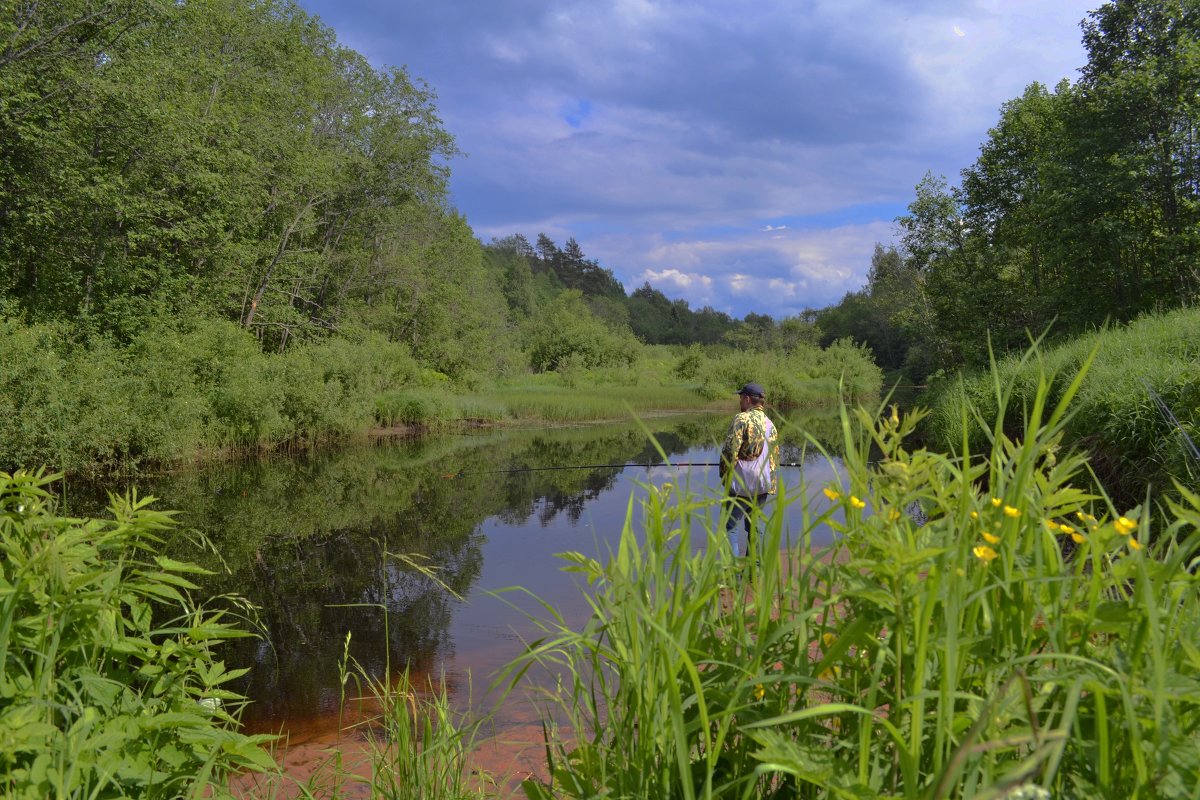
point(752, 390)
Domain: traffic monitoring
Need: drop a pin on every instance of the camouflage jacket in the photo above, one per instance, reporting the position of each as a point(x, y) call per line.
point(748, 435)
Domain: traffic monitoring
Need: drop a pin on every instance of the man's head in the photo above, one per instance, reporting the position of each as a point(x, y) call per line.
point(751, 395)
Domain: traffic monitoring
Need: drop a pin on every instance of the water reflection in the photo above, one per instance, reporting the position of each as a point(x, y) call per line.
point(311, 542)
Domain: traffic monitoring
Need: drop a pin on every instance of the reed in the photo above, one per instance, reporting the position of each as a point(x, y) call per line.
point(984, 627)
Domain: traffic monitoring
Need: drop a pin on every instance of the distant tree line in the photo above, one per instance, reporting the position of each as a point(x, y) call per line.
point(533, 271)
point(1082, 208)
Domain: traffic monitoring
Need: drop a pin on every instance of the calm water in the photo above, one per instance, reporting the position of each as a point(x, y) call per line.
point(310, 541)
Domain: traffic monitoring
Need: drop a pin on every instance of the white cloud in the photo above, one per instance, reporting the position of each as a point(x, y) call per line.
point(675, 279)
point(706, 114)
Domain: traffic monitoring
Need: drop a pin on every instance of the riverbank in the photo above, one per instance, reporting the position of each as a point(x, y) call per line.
point(200, 391)
point(1136, 412)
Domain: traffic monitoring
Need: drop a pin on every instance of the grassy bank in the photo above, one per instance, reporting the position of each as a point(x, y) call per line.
point(1026, 638)
point(1117, 416)
point(204, 389)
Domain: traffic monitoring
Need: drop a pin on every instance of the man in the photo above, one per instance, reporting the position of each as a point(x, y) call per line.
point(749, 459)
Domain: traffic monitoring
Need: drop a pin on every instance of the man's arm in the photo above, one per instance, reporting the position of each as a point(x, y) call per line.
point(733, 444)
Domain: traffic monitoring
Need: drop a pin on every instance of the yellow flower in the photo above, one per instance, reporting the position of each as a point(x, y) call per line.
point(1078, 537)
point(1009, 511)
point(984, 553)
point(1134, 544)
point(831, 494)
point(996, 502)
point(759, 692)
point(856, 503)
point(974, 515)
point(1124, 525)
point(987, 537)
point(893, 515)
point(830, 674)
point(1084, 517)
point(1066, 529)
point(828, 638)
point(1052, 525)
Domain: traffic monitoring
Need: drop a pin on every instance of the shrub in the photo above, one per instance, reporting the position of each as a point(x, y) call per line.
point(109, 686)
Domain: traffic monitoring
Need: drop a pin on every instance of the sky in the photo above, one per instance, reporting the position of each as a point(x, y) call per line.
point(742, 155)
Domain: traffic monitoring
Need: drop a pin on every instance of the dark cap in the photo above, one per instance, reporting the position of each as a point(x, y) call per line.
point(753, 390)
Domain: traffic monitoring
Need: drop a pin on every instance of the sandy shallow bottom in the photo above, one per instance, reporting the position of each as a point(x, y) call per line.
point(332, 756)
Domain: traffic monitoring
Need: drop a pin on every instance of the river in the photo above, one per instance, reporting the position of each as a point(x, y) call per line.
point(312, 542)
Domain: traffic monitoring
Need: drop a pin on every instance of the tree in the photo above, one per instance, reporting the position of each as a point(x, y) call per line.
point(567, 332)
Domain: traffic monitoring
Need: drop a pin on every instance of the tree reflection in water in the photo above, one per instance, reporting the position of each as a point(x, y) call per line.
point(310, 541)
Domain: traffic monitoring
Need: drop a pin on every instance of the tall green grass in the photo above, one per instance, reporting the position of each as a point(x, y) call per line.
point(805, 376)
point(534, 400)
point(1132, 445)
point(984, 626)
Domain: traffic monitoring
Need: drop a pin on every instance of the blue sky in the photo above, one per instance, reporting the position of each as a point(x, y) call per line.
point(743, 155)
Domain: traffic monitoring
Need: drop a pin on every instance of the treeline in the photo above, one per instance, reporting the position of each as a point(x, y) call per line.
point(532, 275)
point(1082, 208)
point(648, 313)
point(230, 160)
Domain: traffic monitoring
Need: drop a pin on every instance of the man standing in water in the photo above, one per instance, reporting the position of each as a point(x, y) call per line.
point(749, 459)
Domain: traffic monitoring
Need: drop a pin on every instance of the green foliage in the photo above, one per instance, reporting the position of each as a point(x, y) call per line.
point(806, 376)
point(222, 156)
point(656, 319)
point(178, 390)
point(567, 329)
point(1116, 418)
point(1081, 209)
point(109, 685)
point(1021, 638)
point(688, 366)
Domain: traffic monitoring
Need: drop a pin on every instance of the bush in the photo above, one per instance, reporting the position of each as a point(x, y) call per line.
point(109, 686)
point(806, 376)
point(567, 333)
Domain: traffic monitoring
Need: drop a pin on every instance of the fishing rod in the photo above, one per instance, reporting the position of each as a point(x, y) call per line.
point(624, 465)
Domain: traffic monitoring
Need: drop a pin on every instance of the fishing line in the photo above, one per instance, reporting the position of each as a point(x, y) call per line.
point(1165, 410)
point(625, 465)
